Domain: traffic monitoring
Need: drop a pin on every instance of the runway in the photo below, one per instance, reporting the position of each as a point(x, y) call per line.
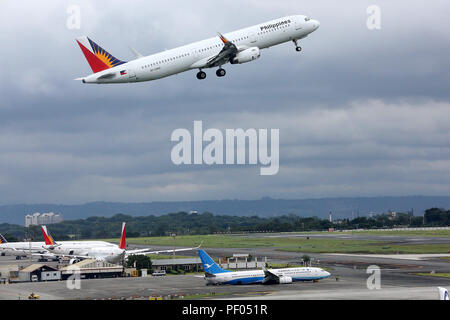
point(389, 293)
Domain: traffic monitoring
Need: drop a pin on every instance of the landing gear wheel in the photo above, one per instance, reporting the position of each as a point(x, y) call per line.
point(201, 75)
point(297, 47)
point(221, 72)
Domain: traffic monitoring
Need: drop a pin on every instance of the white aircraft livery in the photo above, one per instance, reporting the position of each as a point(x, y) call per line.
point(236, 47)
point(99, 250)
point(216, 275)
point(23, 249)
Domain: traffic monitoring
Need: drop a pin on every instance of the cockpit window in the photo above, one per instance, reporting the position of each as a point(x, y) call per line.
point(307, 18)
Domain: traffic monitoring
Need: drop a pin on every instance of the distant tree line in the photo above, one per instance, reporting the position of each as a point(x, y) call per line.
point(183, 223)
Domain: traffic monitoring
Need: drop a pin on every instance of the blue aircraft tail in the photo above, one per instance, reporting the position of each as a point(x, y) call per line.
point(443, 294)
point(2, 239)
point(209, 265)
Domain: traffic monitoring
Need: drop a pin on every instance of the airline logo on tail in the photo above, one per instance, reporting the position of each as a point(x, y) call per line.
point(49, 241)
point(98, 58)
point(2, 239)
point(209, 265)
point(123, 243)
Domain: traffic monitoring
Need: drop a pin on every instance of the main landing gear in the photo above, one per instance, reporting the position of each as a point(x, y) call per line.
point(221, 72)
point(297, 47)
point(201, 75)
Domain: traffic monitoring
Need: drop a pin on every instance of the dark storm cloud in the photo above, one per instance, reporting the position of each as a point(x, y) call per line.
point(360, 112)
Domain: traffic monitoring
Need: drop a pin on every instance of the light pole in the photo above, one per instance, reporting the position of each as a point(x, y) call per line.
point(174, 244)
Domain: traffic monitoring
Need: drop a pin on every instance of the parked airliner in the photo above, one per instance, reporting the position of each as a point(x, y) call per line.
point(23, 249)
point(40, 248)
point(102, 251)
point(236, 47)
point(216, 275)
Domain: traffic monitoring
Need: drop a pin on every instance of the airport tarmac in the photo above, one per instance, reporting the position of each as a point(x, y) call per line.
point(398, 276)
point(398, 281)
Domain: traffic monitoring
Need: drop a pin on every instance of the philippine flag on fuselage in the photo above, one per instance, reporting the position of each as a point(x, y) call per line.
point(123, 72)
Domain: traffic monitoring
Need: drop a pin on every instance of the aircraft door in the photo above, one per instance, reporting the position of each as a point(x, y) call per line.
point(131, 74)
point(253, 38)
point(194, 54)
point(297, 24)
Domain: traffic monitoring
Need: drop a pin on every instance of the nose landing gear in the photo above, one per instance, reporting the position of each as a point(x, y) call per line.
point(297, 47)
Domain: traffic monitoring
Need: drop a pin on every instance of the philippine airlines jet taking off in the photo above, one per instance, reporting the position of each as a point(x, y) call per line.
point(216, 275)
point(236, 47)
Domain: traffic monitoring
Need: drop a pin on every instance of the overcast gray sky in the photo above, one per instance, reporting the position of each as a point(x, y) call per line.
point(360, 112)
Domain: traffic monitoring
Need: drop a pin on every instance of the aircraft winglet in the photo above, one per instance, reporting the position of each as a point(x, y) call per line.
point(136, 53)
point(224, 40)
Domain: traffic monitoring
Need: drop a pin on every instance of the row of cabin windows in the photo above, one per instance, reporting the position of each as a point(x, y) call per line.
point(166, 60)
point(221, 44)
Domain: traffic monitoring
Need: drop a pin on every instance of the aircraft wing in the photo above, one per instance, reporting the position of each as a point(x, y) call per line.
point(45, 254)
point(77, 256)
point(227, 53)
point(34, 252)
point(147, 251)
point(269, 276)
point(71, 256)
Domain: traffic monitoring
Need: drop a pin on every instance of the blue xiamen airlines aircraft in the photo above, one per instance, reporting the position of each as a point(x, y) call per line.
point(236, 47)
point(216, 275)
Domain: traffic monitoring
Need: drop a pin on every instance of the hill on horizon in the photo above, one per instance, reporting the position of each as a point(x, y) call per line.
point(265, 207)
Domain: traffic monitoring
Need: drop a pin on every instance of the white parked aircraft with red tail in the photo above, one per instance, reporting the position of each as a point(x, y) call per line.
point(99, 250)
point(236, 47)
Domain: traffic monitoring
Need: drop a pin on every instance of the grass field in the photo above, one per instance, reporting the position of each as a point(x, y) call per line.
point(406, 232)
point(295, 244)
point(353, 246)
point(161, 256)
point(441, 275)
point(419, 233)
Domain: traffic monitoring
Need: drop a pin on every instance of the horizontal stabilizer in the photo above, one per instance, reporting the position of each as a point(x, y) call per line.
point(106, 76)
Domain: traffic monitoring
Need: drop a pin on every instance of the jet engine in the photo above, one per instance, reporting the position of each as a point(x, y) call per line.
point(284, 280)
point(247, 55)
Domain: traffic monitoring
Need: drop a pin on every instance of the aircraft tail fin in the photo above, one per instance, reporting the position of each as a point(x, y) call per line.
point(98, 58)
point(443, 294)
point(209, 265)
point(2, 239)
point(123, 241)
point(49, 241)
